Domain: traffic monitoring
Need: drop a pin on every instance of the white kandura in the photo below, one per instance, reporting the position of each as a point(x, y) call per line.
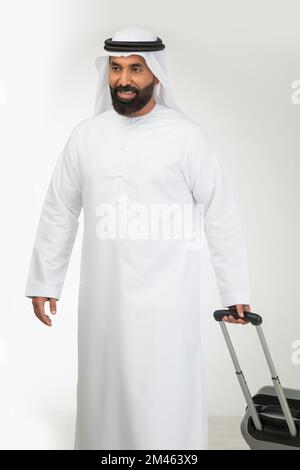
point(140, 363)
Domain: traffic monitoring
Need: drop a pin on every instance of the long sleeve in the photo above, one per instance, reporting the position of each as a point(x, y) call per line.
point(57, 227)
point(222, 225)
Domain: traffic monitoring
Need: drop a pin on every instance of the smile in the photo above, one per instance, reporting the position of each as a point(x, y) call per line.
point(127, 94)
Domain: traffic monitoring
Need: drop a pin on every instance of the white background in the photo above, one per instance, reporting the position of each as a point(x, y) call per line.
point(232, 65)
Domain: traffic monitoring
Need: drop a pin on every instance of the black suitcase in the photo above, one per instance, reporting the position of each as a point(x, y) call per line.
point(272, 418)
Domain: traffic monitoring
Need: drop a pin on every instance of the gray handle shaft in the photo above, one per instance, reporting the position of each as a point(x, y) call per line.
point(277, 385)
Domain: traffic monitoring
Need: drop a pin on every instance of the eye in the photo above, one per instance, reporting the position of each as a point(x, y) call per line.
point(115, 67)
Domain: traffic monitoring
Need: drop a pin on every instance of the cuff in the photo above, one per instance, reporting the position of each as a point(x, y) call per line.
point(235, 298)
point(35, 289)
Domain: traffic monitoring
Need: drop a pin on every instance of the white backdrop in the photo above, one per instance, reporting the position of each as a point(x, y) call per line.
point(232, 65)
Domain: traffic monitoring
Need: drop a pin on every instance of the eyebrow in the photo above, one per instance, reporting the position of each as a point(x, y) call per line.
point(137, 64)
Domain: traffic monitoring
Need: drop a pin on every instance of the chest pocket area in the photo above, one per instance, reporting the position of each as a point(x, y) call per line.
point(164, 184)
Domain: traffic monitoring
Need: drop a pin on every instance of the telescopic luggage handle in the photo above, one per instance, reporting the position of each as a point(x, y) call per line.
point(255, 320)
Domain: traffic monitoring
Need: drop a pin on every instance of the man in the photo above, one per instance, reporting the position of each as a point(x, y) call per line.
point(140, 371)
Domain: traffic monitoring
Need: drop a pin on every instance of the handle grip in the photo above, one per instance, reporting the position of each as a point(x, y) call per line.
point(253, 318)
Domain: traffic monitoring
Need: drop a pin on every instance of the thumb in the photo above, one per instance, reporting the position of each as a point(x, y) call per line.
point(52, 306)
point(240, 310)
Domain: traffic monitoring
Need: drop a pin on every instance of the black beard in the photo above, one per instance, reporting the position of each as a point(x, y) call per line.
point(126, 107)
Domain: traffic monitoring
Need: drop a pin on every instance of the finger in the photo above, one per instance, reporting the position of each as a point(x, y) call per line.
point(244, 322)
point(229, 319)
point(39, 310)
point(240, 310)
point(52, 304)
point(232, 319)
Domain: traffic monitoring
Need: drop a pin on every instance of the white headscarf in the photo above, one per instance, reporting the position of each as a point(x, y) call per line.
point(156, 61)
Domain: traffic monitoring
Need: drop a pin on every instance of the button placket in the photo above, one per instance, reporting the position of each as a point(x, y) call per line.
point(124, 147)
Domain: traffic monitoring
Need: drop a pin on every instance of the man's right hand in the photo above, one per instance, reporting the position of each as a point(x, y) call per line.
point(39, 308)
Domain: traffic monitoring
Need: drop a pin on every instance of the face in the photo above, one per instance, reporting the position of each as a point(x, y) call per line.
point(130, 74)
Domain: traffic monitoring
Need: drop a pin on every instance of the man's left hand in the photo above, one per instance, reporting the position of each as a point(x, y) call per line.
point(240, 309)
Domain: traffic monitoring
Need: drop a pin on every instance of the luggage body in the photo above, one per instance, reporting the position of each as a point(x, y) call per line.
point(275, 434)
point(272, 417)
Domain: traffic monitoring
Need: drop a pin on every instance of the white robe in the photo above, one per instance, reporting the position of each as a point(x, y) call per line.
point(140, 370)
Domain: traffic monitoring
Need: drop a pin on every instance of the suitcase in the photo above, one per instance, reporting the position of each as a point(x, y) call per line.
point(272, 417)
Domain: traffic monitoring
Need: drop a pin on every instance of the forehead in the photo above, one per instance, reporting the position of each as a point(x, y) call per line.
point(129, 60)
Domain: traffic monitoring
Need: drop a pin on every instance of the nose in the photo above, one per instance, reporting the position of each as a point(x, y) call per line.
point(125, 78)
